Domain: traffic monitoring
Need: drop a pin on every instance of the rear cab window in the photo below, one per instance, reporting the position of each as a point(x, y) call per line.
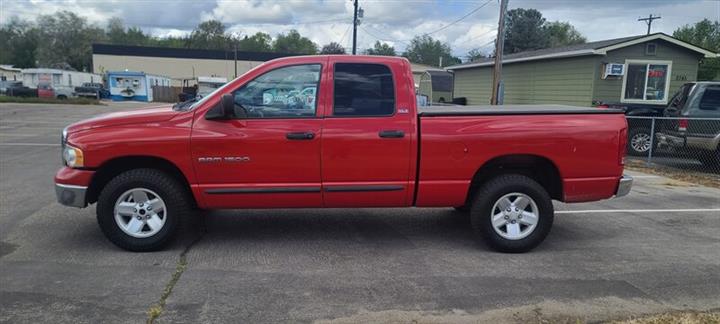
point(363, 90)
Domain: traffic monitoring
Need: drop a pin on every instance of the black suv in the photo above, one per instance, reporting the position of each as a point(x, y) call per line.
point(697, 129)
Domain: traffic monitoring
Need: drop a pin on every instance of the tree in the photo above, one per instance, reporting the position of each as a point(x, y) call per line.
point(18, 40)
point(65, 39)
point(474, 55)
point(524, 31)
point(426, 50)
point(116, 33)
point(527, 30)
point(209, 35)
point(706, 34)
point(260, 42)
point(563, 34)
point(381, 49)
point(293, 42)
point(332, 48)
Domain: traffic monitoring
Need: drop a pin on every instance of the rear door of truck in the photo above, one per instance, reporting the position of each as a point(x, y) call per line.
point(368, 133)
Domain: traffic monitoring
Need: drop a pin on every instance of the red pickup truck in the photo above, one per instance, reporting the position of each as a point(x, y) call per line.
point(339, 131)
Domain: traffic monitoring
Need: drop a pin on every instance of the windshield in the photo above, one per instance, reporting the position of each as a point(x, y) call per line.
point(220, 89)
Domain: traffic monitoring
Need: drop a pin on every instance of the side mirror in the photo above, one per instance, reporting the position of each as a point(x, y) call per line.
point(227, 105)
point(225, 109)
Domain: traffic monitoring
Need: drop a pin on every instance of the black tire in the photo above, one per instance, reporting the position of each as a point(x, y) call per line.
point(710, 159)
point(62, 97)
point(492, 191)
point(462, 209)
point(168, 188)
point(639, 132)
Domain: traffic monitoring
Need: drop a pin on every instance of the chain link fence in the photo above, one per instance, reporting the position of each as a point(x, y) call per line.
point(682, 143)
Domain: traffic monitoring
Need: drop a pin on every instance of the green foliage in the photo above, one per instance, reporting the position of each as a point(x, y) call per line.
point(426, 50)
point(381, 49)
point(65, 40)
point(527, 30)
point(293, 42)
point(332, 48)
point(474, 55)
point(210, 35)
point(117, 34)
point(563, 34)
point(260, 42)
point(706, 34)
point(18, 41)
point(524, 31)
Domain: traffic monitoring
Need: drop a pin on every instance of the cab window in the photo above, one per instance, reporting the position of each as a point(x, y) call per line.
point(363, 90)
point(287, 92)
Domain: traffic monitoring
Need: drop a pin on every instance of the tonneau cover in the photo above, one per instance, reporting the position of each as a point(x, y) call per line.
point(450, 110)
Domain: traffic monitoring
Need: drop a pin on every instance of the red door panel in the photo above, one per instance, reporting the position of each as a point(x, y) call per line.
point(366, 159)
point(258, 165)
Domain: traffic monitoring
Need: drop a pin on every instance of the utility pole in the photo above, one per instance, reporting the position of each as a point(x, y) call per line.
point(355, 23)
point(235, 60)
point(649, 21)
point(499, 47)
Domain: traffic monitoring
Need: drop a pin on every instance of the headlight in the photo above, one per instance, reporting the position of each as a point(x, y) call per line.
point(73, 157)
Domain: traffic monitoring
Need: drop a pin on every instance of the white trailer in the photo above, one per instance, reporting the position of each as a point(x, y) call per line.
point(62, 82)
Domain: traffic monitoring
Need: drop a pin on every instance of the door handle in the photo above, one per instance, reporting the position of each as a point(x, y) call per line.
point(391, 134)
point(300, 136)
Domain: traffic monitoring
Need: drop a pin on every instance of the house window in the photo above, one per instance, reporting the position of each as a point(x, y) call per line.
point(646, 81)
point(650, 48)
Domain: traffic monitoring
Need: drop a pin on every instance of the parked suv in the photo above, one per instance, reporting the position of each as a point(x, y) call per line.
point(697, 105)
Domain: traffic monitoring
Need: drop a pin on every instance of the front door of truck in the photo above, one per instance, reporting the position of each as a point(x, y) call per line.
point(271, 158)
point(366, 144)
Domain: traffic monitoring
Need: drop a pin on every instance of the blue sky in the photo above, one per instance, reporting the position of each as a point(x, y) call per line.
point(392, 21)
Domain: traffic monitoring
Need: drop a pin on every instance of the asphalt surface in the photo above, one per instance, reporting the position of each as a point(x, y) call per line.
point(657, 249)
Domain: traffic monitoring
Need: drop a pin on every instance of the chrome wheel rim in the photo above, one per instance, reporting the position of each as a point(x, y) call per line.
point(514, 216)
point(140, 212)
point(640, 142)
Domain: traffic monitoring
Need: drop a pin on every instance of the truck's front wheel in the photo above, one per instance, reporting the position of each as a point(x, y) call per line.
point(140, 210)
point(512, 213)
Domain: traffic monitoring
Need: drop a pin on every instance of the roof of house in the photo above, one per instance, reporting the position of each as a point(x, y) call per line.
point(189, 53)
point(591, 48)
point(8, 67)
point(134, 73)
point(422, 68)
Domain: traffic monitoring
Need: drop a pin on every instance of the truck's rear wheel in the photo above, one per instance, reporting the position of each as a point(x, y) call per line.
point(141, 210)
point(512, 213)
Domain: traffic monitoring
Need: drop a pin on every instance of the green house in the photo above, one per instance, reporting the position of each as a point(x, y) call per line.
point(645, 69)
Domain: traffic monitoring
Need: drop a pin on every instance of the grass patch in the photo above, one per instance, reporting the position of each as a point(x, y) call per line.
point(69, 101)
point(686, 317)
point(156, 310)
point(694, 177)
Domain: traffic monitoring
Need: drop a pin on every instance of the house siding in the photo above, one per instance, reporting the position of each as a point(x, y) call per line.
point(566, 81)
point(684, 68)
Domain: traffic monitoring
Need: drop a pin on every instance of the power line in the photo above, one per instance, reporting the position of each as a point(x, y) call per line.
point(459, 19)
point(382, 38)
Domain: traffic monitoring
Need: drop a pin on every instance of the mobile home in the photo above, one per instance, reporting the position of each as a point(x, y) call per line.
point(136, 86)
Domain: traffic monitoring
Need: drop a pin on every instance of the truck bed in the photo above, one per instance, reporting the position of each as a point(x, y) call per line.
point(431, 111)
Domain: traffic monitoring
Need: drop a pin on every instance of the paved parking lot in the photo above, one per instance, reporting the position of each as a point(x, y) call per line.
point(657, 249)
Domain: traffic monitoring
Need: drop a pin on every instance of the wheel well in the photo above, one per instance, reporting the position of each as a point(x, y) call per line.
point(536, 167)
point(108, 170)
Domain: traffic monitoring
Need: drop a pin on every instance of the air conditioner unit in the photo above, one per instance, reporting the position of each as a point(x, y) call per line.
point(614, 69)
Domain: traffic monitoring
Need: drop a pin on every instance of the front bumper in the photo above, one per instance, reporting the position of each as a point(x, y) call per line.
point(624, 186)
point(666, 140)
point(71, 195)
